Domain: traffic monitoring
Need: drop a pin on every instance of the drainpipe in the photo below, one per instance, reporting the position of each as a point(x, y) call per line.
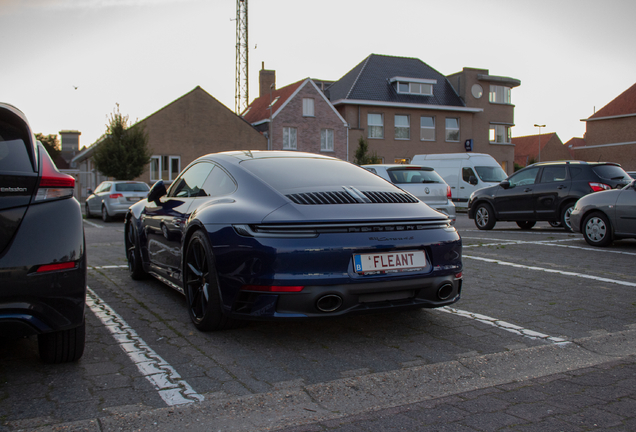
point(347, 126)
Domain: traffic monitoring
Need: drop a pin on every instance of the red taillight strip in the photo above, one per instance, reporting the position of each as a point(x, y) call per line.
point(52, 178)
point(56, 266)
point(272, 288)
point(597, 187)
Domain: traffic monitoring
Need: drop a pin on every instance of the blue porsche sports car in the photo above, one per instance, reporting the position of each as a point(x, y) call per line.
point(289, 235)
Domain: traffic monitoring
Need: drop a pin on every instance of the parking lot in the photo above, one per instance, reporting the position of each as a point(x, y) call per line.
point(534, 303)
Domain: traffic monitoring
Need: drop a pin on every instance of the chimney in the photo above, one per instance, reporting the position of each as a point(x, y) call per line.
point(266, 78)
point(70, 143)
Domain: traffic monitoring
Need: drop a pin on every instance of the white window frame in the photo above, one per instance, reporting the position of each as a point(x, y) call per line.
point(290, 138)
point(375, 126)
point(153, 174)
point(308, 107)
point(407, 128)
point(500, 94)
point(500, 134)
point(450, 130)
point(170, 159)
point(326, 140)
point(427, 128)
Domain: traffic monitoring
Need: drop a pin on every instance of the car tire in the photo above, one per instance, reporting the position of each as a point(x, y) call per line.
point(201, 286)
point(88, 211)
point(526, 225)
point(62, 346)
point(555, 224)
point(133, 253)
point(597, 230)
point(565, 216)
point(485, 217)
point(105, 216)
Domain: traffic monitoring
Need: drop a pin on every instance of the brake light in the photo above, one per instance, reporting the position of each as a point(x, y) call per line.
point(56, 266)
point(115, 196)
point(597, 187)
point(272, 288)
point(448, 192)
point(53, 184)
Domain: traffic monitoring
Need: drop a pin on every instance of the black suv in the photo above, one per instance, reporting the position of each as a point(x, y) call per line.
point(42, 250)
point(545, 191)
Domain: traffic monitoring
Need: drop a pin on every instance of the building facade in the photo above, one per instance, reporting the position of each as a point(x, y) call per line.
point(537, 148)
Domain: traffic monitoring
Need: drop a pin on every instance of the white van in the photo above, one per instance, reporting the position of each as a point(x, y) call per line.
point(464, 172)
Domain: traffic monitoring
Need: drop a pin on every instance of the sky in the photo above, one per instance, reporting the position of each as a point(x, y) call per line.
point(67, 64)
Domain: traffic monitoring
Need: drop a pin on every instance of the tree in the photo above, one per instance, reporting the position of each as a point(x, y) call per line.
point(123, 153)
point(361, 157)
point(50, 143)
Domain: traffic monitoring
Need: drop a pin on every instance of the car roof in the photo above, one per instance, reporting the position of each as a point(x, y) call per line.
point(395, 166)
point(572, 162)
point(266, 154)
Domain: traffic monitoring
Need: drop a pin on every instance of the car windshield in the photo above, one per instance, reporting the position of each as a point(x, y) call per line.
point(292, 174)
point(413, 175)
point(610, 172)
point(131, 187)
point(492, 174)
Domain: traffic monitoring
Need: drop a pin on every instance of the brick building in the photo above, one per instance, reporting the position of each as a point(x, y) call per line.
point(193, 125)
point(610, 133)
point(538, 148)
point(403, 107)
point(298, 117)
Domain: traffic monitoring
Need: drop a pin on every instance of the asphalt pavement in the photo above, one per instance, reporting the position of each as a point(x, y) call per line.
point(544, 339)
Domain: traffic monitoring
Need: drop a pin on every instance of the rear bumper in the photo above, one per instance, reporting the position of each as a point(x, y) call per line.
point(32, 302)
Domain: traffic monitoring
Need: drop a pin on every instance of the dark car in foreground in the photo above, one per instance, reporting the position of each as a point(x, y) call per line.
point(290, 235)
point(545, 191)
point(42, 251)
point(606, 216)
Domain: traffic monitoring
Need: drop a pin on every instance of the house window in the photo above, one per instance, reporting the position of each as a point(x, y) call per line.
point(500, 94)
point(417, 88)
point(402, 127)
point(326, 139)
point(376, 125)
point(175, 167)
point(308, 107)
point(427, 128)
point(500, 134)
point(289, 138)
point(155, 168)
point(452, 129)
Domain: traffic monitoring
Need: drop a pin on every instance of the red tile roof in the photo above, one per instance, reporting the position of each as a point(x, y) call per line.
point(527, 147)
point(624, 104)
point(258, 110)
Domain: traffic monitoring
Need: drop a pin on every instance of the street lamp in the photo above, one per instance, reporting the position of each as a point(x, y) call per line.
point(539, 126)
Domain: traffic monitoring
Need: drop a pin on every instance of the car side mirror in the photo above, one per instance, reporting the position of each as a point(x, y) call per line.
point(505, 184)
point(473, 180)
point(157, 191)
point(89, 191)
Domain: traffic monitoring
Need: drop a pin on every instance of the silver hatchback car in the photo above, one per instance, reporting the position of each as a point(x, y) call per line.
point(423, 182)
point(112, 198)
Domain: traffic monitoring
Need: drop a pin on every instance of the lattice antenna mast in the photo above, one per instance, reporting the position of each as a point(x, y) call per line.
point(241, 86)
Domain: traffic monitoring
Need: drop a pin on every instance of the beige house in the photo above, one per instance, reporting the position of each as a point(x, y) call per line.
point(192, 126)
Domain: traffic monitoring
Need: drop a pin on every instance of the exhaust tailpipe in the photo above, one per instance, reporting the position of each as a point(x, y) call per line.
point(329, 303)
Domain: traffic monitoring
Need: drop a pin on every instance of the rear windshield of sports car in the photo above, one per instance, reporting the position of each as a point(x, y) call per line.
point(410, 175)
point(610, 172)
point(295, 174)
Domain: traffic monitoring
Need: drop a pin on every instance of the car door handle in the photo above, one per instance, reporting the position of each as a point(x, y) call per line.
point(461, 187)
point(527, 190)
point(561, 187)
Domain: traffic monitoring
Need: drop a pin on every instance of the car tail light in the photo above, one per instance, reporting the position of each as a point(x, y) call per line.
point(115, 196)
point(55, 266)
point(53, 184)
point(448, 192)
point(597, 187)
point(272, 288)
point(458, 275)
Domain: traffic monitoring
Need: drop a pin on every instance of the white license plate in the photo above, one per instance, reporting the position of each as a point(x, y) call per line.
point(133, 199)
point(389, 261)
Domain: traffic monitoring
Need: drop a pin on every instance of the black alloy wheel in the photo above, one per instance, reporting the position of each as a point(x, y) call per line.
point(565, 216)
point(555, 224)
point(526, 225)
point(597, 230)
point(484, 217)
point(133, 252)
point(201, 286)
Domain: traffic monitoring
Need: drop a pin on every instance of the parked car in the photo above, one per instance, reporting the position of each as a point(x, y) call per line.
point(42, 250)
point(421, 181)
point(112, 198)
point(290, 235)
point(632, 174)
point(606, 216)
point(463, 172)
point(545, 191)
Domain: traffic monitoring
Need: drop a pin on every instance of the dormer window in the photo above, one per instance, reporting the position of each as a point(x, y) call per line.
point(414, 86)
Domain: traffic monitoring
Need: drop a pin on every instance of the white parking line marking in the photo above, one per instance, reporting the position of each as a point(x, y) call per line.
point(172, 389)
point(600, 279)
point(504, 325)
point(93, 224)
point(542, 242)
point(524, 232)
